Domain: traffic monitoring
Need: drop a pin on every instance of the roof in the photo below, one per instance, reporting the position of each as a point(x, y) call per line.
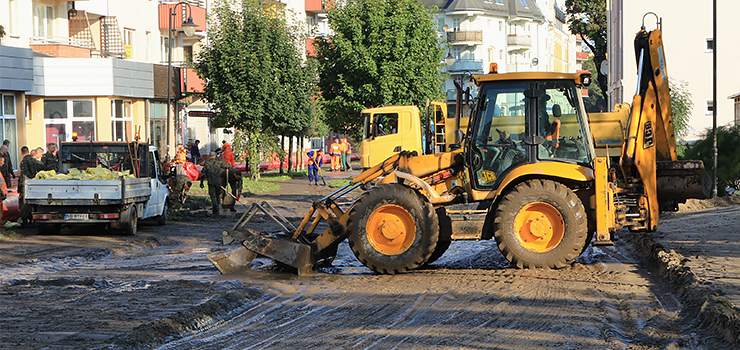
point(503, 8)
point(479, 78)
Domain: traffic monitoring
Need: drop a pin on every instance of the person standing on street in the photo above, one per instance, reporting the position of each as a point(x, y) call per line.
point(227, 153)
point(3, 192)
point(30, 166)
point(344, 147)
point(21, 184)
point(315, 160)
point(8, 162)
point(335, 153)
point(212, 171)
point(50, 160)
point(195, 152)
point(6, 169)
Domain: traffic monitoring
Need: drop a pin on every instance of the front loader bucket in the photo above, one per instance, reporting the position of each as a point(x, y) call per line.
point(277, 246)
point(233, 261)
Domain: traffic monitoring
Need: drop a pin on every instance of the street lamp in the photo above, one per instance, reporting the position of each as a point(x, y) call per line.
point(189, 28)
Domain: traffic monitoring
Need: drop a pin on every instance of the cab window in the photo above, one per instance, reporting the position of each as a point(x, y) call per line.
point(559, 122)
point(385, 124)
point(498, 138)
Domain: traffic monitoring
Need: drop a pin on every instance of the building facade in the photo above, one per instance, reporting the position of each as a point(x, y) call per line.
point(99, 68)
point(689, 45)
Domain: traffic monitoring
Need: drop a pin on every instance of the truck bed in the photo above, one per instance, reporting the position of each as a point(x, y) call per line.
point(87, 192)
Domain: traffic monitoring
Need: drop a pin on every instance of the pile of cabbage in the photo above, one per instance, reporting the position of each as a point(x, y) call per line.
point(97, 173)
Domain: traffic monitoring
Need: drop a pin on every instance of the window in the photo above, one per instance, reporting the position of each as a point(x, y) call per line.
point(164, 48)
point(128, 42)
point(187, 52)
point(710, 108)
point(157, 123)
point(385, 124)
point(43, 20)
point(8, 125)
point(59, 126)
point(710, 45)
point(148, 46)
point(12, 13)
point(122, 120)
point(456, 23)
point(491, 54)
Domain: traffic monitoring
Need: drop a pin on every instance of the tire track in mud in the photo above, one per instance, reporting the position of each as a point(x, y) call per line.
point(605, 304)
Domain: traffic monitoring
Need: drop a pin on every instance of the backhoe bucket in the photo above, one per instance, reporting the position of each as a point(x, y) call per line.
point(683, 179)
point(277, 246)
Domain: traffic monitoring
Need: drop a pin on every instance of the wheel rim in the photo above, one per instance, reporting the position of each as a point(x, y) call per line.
point(539, 227)
point(391, 229)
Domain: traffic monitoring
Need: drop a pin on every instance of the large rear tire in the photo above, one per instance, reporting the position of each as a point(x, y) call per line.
point(392, 229)
point(541, 224)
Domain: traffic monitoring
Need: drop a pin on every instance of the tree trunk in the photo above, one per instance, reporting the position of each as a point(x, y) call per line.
point(254, 156)
point(299, 155)
point(282, 154)
point(290, 153)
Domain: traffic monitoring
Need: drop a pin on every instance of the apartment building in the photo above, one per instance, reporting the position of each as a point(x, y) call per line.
point(689, 45)
point(99, 68)
point(517, 35)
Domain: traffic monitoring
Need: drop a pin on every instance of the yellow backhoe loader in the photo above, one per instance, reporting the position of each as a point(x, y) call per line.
point(527, 175)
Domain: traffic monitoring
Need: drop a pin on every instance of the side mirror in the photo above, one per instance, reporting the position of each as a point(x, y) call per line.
point(459, 135)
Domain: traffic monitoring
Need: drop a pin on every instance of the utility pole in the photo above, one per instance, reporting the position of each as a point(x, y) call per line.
point(714, 101)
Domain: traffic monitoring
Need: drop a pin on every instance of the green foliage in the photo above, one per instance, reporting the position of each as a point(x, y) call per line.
point(595, 101)
point(728, 155)
point(383, 52)
point(588, 19)
point(255, 76)
point(682, 105)
point(339, 182)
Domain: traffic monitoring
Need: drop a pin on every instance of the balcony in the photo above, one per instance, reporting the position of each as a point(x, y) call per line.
point(473, 66)
point(62, 47)
point(465, 37)
point(198, 14)
point(518, 42)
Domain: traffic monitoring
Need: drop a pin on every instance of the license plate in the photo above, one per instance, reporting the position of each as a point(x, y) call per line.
point(75, 216)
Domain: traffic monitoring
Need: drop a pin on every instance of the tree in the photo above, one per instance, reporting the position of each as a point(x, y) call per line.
point(728, 155)
point(254, 74)
point(595, 101)
point(588, 19)
point(383, 52)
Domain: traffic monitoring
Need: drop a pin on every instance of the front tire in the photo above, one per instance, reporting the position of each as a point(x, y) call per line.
point(541, 224)
point(161, 220)
point(392, 229)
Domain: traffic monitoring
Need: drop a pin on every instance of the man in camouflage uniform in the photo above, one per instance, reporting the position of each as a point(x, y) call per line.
point(49, 158)
point(213, 171)
point(234, 178)
point(182, 186)
point(30, 165)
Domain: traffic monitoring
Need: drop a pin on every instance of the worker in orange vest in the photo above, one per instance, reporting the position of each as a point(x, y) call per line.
point(3, 191)
point(335, 153)
point(344, 149)
point(227, 153)
point(181, 156)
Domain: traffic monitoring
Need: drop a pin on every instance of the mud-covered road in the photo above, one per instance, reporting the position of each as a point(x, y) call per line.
point(88, 290)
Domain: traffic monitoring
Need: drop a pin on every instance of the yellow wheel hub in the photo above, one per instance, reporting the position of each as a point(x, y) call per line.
point(391, 229)
point(539, 227)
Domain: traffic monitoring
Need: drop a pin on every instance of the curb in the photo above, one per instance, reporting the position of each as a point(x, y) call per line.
point(715, 311)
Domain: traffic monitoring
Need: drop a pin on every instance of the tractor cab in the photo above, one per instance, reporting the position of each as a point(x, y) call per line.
point(526, 118)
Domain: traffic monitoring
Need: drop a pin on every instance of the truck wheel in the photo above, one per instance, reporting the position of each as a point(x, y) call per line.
point(161, 220)
point(541, 224)
point(392, 229)
point(130, 222)
point(47, 229)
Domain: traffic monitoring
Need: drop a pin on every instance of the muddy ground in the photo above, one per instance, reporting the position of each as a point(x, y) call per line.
point(91, 290)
